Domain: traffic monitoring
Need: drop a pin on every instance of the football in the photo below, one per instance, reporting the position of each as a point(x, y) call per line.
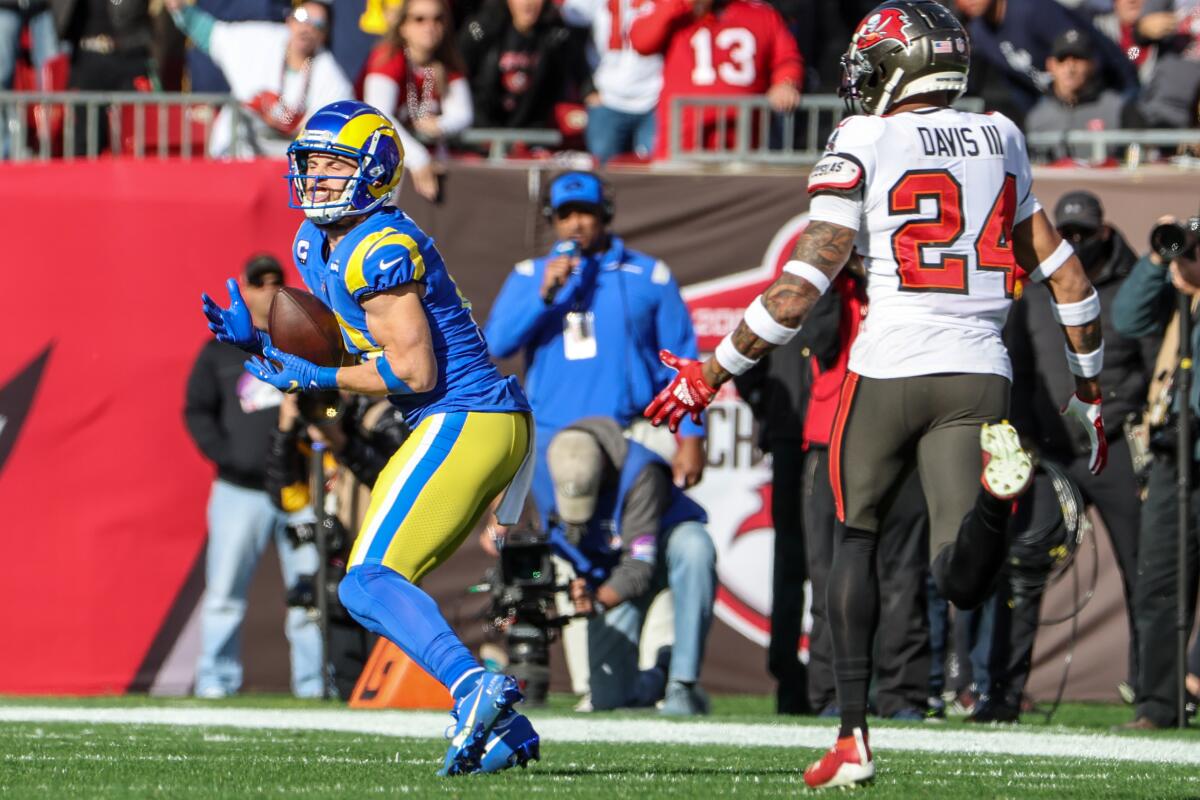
point(302, 325)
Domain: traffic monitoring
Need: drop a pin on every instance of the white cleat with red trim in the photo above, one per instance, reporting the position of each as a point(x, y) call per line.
point(1007, 468)
point(847, 763)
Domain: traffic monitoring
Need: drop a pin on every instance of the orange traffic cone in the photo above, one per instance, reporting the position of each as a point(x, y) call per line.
point(393, 680)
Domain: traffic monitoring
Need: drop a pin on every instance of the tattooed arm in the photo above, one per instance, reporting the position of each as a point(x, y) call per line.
point(789, 299)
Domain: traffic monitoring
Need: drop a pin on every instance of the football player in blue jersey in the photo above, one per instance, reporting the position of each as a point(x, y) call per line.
point(412, 335)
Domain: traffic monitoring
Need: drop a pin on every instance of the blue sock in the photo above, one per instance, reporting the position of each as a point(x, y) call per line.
point(387, 603)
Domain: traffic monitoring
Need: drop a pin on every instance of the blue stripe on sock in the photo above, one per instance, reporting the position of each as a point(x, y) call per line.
point(433, 459)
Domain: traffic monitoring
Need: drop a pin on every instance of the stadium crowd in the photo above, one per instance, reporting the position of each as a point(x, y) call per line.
point(602, 75)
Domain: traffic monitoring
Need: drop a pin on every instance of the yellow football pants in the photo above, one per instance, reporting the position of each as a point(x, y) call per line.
point(436, 486)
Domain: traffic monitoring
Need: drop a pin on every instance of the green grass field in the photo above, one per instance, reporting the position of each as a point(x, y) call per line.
point(89, 757)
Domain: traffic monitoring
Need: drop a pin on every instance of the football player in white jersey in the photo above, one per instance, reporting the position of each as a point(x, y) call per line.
point(939, 205)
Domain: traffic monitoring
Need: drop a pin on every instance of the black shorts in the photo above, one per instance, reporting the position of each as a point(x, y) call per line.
point(885, 427)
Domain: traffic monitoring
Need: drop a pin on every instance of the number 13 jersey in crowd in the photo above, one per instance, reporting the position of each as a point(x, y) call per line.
point(934, 195)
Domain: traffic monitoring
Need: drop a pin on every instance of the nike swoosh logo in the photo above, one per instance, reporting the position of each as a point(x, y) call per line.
point(390, 264)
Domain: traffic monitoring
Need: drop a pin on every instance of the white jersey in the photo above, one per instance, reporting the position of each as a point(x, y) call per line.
point(626, 80)
point(934, 195)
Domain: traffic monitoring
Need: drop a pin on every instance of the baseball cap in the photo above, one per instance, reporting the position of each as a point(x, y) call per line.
point(576, 465)
point(260, 266)
point(1080, 209)
point(576, 188)
point(1074, 43)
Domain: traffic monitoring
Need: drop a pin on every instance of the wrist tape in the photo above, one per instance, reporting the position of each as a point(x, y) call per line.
point(802, 269)
point(1079, 313)
point(730, 359)
point(764, 326)
point(1086, 365)
point(393, 384)
point(1053, 262)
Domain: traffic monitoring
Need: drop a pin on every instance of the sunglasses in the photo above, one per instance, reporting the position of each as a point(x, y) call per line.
point(1075, 235)
point(302, 15)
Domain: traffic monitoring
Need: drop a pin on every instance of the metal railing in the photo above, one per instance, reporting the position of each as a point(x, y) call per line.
point(44, 125)
point(500, 141)
point(1131, 147)
point(759, 134)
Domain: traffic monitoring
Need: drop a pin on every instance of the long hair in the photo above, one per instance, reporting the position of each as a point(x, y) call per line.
point(447, 53)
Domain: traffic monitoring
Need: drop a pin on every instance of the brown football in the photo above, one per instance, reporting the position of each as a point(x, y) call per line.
point(302, 325)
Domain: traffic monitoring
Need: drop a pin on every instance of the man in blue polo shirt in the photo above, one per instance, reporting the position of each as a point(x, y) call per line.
point(590, 319)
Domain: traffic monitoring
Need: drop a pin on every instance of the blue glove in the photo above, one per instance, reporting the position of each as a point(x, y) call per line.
point(292, 373)
point(234, 324)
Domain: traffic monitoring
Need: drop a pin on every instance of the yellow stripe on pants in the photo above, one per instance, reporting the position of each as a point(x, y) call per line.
point(436, 486)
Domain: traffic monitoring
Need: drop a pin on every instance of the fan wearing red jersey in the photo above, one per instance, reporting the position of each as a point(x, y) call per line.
point(417, 77)
point(939, 205)
point(723, 48)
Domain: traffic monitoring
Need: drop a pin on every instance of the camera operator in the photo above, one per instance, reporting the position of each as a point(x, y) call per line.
point(1144, 306)
point(1041, 373)
point(619, 506)
point(360, 434)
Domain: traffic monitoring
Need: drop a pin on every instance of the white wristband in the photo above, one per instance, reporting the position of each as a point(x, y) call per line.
point(1086, 365)
point(766, 327)
point(1053, 262)
point(802, 269)
point(1079, 313)
point(730, 359)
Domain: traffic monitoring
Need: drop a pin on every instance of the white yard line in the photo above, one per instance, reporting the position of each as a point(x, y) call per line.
point(425, 725)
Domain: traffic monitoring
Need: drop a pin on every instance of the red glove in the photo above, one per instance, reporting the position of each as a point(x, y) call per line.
point(688, 393)
point(1088, 415)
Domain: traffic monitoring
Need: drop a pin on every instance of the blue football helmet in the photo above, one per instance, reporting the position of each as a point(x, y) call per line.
point(354, 130)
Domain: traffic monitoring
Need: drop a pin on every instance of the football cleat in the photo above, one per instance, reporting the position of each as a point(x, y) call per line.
point(1007, 468)
point(512, 743)
point(847, 763)
point(475, 715)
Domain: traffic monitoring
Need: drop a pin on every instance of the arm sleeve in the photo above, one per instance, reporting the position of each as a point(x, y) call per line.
point(651, 33)
point(787, 65)
point(457, 111)
point(674, 331)
point(197, 25)
point(1144, 302)
point(202, 410)
point(286, 476)
point(641, 520)
point(516, 314)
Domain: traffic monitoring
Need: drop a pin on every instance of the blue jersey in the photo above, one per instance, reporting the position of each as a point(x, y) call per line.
point(382, 252)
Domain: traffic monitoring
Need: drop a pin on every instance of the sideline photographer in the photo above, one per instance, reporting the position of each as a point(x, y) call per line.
point(617, 504)
point(1146, 306)
point(359, 434)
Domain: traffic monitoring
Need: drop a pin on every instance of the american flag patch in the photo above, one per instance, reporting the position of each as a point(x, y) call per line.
point(944, 46)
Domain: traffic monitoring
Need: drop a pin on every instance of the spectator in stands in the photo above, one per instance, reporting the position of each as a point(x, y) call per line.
point(43, 38)
point(110, 45)
point(44, 45)
point(1121, 26)
point(230, 415)
point(1075, 100)
point(590, 319)
point(621, 115)
point(522, 60)
point(416, 75)
point(1011, 40)
point(605, 484)
point(721, 48)
point(203, 74)
point(1169, 99)
point(279, 72)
